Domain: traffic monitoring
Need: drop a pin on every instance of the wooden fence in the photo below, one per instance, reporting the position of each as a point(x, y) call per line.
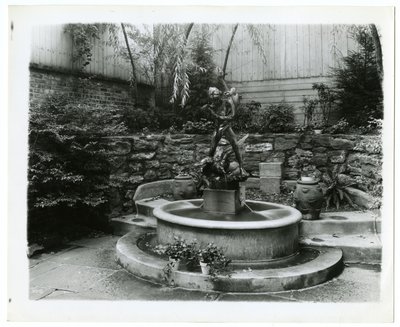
point(52, 47)
point(295, 57)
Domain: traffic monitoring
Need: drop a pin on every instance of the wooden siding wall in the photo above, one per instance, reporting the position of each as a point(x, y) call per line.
point(297, 56)
point(292, 51)
point(52, 47)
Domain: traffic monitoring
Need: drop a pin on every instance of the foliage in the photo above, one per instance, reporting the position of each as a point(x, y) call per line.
point(248, 117)
point(202, 74)
point(359, 92)
point(82, 35)
point(326, 99)
point(68, 166)
point(173, 44)
point(309, 106)
point(341, 127)
point(215, 258)
point(280, 118)
point(203, 126)
point(336, 191)
point(137, 119)
point(179, 249)
point(373, 126)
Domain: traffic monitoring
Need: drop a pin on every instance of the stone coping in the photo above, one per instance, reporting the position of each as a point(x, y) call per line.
point(326, 265)
point(293, 216)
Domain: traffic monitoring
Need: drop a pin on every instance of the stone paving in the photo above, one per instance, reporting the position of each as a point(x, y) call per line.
point(86, 270)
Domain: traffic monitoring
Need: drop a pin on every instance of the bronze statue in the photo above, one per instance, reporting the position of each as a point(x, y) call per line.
point(223, 107)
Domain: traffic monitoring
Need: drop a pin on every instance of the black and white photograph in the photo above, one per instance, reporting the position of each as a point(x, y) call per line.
point(233, 162)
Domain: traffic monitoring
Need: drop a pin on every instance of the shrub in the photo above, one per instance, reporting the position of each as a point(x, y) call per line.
point(336, 192)
point(246, 117)
point(341, 127)
point(68, 165)
point(137, 119)
point(359, 88)
point(280, 118)
point(215, 258)
point(203, 126)
point(201, 74)
point(309, 106)
point(326, 99)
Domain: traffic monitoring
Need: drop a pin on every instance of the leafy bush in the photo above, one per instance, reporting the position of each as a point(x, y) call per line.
point(336, 192)
point(68, 167)
point(243, 121)
point(326, 99)
point(309, 106)
point(280, 118)
point(358, 82)
point(341, 127)
point(215, 258)
point(202, 75)
point(203, 126)
point(137, 119)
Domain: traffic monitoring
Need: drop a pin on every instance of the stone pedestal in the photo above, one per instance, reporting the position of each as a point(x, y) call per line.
point(271, 169)
point(223, 201)
point(270, 185)
point(270, 177)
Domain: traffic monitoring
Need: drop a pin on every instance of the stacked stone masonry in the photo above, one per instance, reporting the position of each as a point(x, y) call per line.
point(143, 158)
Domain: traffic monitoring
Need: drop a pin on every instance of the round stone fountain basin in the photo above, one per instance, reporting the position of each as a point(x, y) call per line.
point(262, 231)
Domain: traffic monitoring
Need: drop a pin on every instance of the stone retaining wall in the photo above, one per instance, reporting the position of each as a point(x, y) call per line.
point(140, 159)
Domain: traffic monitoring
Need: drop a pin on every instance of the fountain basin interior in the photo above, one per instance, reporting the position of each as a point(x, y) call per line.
point(261, 231)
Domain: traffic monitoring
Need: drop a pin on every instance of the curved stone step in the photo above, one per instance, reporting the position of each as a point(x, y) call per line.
point(357, 248)
point(346, 223)
point(326, 265)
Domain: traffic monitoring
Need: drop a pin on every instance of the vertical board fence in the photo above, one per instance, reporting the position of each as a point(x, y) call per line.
point(53, 48)
point(296, 57)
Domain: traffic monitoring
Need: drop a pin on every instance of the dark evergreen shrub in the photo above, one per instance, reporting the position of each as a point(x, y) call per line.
point(359, 92)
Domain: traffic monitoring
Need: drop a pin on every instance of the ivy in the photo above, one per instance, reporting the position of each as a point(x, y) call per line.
point(82, 37)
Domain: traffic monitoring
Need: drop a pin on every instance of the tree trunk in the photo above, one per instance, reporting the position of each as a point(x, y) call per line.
point(228, 50)
point(131, 60)
point(378, 49)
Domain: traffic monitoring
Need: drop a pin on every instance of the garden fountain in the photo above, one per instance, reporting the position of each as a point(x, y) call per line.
point(261, 238)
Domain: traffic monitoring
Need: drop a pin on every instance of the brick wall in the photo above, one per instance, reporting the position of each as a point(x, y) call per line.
point(108, 92)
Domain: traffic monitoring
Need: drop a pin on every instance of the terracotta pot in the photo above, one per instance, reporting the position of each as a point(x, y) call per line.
point(184, 187)
point(309, 198)
point(205, 269)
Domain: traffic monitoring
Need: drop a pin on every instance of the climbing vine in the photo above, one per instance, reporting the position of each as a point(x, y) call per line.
point(82, 37)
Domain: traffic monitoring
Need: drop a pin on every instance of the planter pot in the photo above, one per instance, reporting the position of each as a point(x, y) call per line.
point(205, 269)
point(317, 131)
point(184, 187)
point(309, 198)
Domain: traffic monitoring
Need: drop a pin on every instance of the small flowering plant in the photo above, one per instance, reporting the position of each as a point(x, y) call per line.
point(215, 258)
point(177, 250)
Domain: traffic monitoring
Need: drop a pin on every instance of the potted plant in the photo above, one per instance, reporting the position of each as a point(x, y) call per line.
point(177, 251)
point(212, 260)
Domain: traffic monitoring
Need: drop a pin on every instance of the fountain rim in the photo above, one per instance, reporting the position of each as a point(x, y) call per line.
point(161, 213)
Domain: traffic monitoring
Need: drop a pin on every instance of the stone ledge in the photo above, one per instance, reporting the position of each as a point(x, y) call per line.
point(325, 266)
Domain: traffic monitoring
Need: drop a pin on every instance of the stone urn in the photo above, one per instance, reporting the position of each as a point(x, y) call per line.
point(184, 187)
point(309, 198)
